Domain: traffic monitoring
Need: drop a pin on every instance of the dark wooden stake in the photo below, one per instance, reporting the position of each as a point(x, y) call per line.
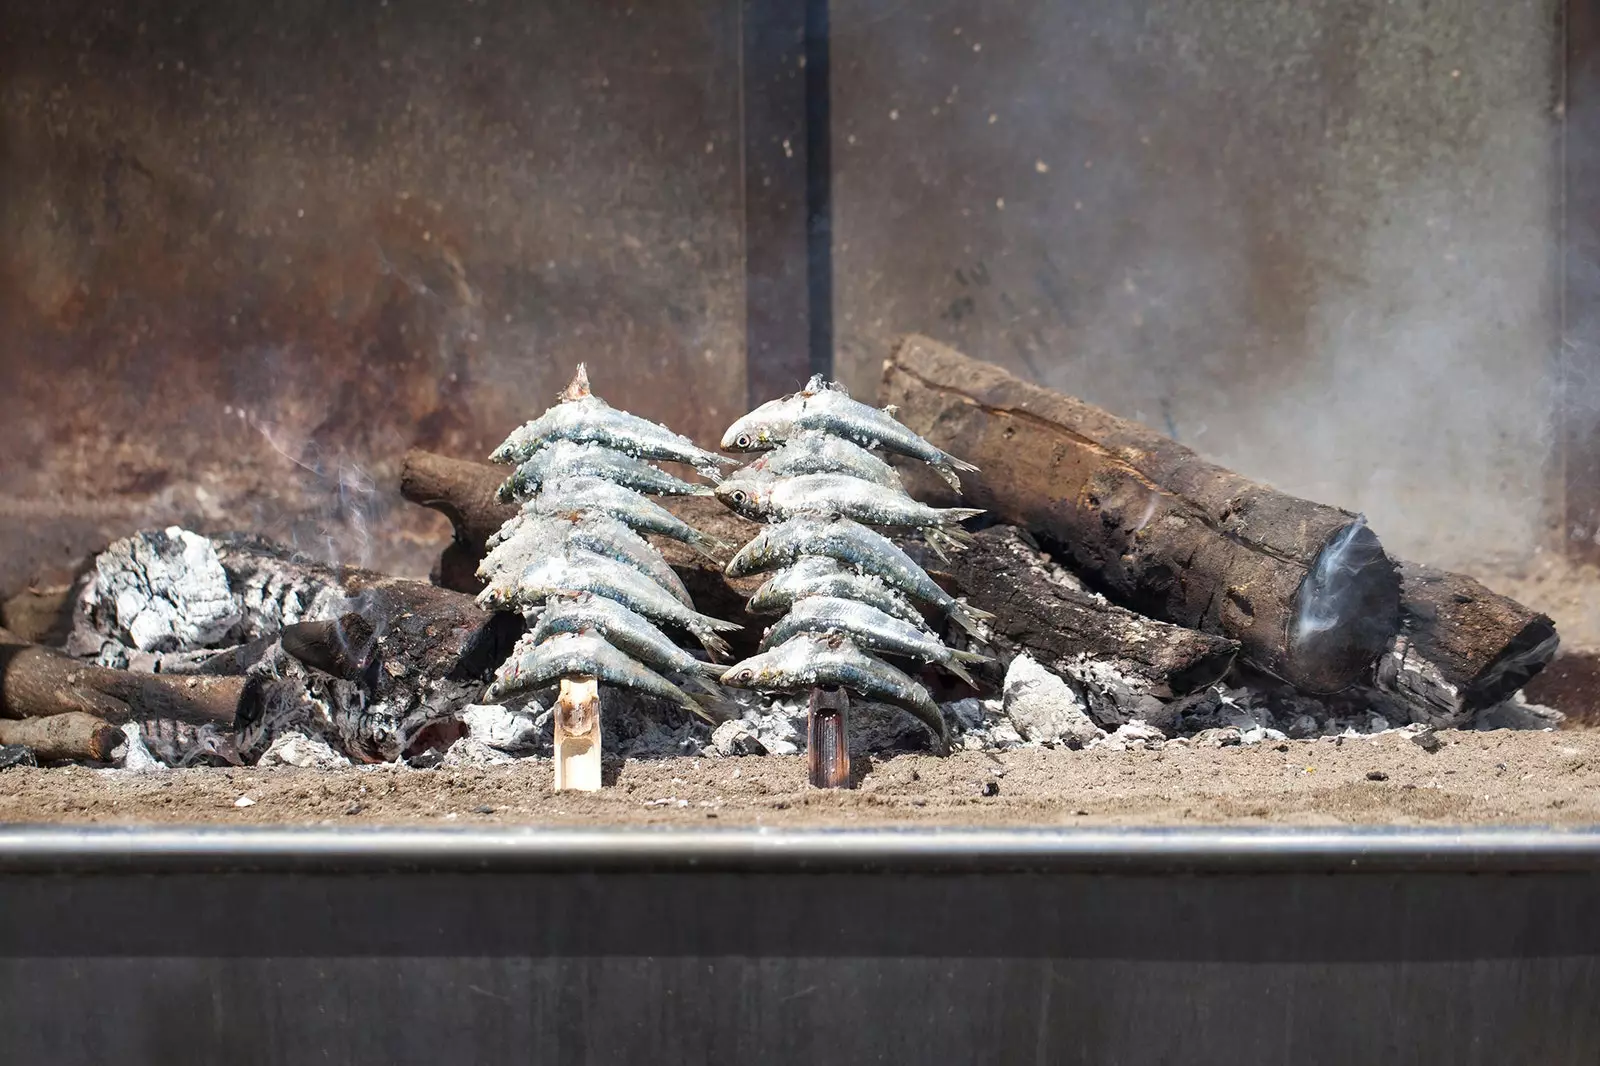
point(828, 738)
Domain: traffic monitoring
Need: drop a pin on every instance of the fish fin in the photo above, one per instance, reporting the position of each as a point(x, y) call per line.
point(931, 537)
point(967, 616)
point(717, 625)
point(714, 645)
point(946, 459)
point(699, 490)
point(960, 514)
point(578, 387)
point(972, 657)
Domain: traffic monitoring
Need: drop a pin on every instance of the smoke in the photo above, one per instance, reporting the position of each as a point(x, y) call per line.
point(337, 500)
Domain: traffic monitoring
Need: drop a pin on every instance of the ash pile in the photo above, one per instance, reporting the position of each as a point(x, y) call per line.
point(1117, 592)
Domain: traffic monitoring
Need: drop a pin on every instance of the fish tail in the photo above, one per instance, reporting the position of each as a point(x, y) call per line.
point(699, 490)
point(967, 616)
point(711, 670)
point(960, 671)
point(694, 707)
point(948, 475)
point(930, 537)
point(710, 473)
point(714, 645)
point(946, 459)
point(704, 544)
point(717, 625)
point(959, 514)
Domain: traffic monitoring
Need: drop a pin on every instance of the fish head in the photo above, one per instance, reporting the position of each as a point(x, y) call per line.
point(746, 497)
point(740, 675)
point(758, 555)
point(765, 427)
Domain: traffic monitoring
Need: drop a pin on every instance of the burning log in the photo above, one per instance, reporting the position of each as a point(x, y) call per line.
point(38, 682)
point(70, 737)
point(464, 492)
point(1117, 657)
point(1462, 648)
point(1305, 589)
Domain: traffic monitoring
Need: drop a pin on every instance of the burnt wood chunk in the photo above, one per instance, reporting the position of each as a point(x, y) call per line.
point(1461, 648)
point(38, 682)
point(1004, 574)
point(1305, 589)
point(71, 737)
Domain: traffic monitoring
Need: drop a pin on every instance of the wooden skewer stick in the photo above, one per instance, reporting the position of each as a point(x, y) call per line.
point(828, 738)
point(577, 736)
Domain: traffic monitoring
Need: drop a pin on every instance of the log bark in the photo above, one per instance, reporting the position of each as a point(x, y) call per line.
point(70, 737)
point(464, 492)
point(1305, 589)
point(1117, 657)
point(38, 682)
point(1461, 648)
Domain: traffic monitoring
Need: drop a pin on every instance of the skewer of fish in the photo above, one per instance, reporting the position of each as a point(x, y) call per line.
point(847, 594)
point(574, 557)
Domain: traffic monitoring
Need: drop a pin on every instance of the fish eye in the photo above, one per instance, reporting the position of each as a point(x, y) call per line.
point(743, 440)
point(739, 496)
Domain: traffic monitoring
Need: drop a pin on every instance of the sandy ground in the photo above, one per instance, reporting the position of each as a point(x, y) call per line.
point(1473, 778)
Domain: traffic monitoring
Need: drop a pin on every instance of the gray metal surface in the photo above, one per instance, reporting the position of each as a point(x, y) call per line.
point(905, 946)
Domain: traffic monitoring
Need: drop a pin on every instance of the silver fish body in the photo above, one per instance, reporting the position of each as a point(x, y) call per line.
point(824, 406)
point(643, 515)
point(591, 531)
point(823, 494)
point(535, 665)
point(584, 571)
point(868, 628)
point(852, 543)
point(590, 420)
point(819, 575)
point(564, 459)
point(628, 631)
point(812, 659)
point(815, 452)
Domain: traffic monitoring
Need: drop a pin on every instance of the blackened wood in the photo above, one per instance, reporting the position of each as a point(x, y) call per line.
point(828, 738)
point(1462, 648)
point(1003, 574)
point(71, 737)
point(1306, 589)
point(39, 682)
point(461, 490)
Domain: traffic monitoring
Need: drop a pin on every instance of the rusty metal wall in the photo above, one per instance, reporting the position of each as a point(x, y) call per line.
point(1314, 241)
point(250, 252)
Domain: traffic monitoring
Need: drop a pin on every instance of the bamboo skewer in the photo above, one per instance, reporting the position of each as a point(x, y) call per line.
point(577, 736)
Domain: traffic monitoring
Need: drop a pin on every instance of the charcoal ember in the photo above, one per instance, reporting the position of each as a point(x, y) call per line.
point(158, 590)
point(981, 725)
point(735, 738)
point(306, 752)
point(1518, 712)
point(136, 756)
point(879, 728)
point(1044, 708)
point(174, 742)
point(16, 755)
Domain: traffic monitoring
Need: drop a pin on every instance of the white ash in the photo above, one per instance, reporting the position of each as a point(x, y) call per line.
point(981, 725)
point(1044, 708)
point(506, 729)
point(735, 738)
point(158, 590)
point(1131, 736)
point(1518, 713)
point(132, 754)
point(468, 752)
point(306, 752)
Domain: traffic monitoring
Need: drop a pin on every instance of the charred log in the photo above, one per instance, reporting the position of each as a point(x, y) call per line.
point(38, 682)
point(1305, 589)
point(1118, 658)
point(1462, 648)
point(71, 737)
